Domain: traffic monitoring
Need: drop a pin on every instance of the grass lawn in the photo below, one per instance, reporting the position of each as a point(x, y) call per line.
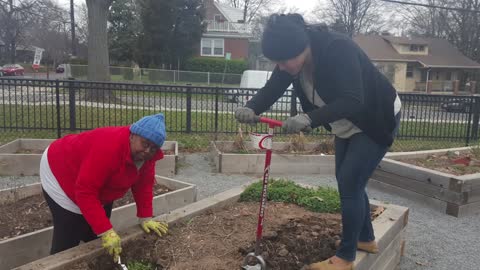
point(41, 122)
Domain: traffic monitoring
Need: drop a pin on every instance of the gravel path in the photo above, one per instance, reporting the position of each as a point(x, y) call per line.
point(435, 241)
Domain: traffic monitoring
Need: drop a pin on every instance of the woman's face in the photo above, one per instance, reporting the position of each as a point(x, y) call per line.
point(141, 148)
point(294, 66)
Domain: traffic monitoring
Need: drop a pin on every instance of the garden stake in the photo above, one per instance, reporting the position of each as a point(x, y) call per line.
point(262, 144)
point(122, 265)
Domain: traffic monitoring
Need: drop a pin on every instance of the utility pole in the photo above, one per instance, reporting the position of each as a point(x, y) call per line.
point(13, 28)
point(72, 21)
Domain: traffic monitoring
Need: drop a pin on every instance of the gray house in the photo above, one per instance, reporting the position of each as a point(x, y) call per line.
point(419, 64)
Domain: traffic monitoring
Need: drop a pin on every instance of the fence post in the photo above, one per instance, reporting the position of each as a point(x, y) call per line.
point(71, 105)
point(189, 109)
point(476, 118)
point(216, 112)
point(293, 103)
point(208, 78)
point(57, 95)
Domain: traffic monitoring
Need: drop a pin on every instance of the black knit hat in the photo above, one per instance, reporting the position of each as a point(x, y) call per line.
point(284, 37)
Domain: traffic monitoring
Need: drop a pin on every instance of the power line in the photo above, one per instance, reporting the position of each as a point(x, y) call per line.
point(432, 6)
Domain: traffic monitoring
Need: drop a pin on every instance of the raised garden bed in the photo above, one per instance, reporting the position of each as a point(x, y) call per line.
point(316, 158)
point(215, 233)
point(29, 237)
point(21, 157)
point(439, 178)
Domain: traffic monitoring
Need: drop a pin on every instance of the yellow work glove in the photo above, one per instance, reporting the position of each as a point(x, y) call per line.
point(156, 226)
point(112, 243)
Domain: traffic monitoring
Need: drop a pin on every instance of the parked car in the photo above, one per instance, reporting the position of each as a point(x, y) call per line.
point(60, 68)
point(461, 105)
point(12, 70)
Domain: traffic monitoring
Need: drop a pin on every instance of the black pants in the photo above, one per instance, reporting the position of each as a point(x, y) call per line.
point(69, 228)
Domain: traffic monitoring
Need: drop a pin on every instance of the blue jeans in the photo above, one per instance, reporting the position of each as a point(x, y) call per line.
point(355, 160)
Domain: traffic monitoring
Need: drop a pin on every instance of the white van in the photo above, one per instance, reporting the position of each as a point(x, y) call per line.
point(256, 79)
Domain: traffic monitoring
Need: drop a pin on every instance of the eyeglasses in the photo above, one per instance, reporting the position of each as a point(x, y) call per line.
point(149, 147)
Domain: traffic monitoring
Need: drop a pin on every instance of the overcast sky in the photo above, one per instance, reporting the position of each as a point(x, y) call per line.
point(302, 5)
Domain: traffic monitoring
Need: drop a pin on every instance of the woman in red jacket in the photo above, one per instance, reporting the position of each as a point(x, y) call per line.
point(82, 174)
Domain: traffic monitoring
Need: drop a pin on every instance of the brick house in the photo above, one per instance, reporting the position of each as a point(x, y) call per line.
point(226, 32)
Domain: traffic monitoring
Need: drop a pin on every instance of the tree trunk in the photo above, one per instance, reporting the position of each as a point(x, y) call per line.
point(98, 59)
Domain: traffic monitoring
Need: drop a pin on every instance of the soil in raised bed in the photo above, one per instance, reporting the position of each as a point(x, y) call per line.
point(32, 213)
point(452, 162)
point(168, 152)
point(293, 237)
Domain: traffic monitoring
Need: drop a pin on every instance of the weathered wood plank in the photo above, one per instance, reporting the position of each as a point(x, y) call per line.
point(426, 189)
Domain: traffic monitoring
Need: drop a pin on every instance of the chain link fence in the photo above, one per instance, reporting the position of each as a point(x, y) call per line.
point(160, 76)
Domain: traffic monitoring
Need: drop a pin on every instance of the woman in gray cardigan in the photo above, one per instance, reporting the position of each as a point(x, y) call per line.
point(339, 88)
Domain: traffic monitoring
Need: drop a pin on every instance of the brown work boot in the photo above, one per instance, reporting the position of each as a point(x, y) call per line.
point(370, 247)
point(328, 265)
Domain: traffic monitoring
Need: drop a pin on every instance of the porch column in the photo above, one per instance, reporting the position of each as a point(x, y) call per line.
point(429, 87)
point(456, 87)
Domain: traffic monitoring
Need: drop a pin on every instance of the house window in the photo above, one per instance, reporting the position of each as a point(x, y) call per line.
point(409, 70)
point(448, 76)
point(218, 18)
point(212, 47)
point(417, 48)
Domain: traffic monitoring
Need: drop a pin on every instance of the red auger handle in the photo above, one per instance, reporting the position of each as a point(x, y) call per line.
point(271, 122)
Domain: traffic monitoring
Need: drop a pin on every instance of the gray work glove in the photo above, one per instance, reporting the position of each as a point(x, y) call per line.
point(297, 123)
point(246, 115)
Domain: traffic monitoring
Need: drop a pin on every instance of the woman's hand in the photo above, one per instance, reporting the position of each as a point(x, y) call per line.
point(245, 115)
point(156, 226)
point(297, 123)
point(112, 243)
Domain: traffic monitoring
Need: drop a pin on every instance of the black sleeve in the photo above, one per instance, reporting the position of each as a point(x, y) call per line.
point(271, 92)
point(345, 73)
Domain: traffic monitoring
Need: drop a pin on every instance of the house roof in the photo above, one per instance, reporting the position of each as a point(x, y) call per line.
point(231, 13)
point(406, 40)
point(441, 54)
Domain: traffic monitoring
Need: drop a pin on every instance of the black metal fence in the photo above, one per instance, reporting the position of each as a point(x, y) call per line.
point(52, 108)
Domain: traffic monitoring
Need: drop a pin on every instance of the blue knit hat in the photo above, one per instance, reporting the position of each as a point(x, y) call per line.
point(151, 127)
